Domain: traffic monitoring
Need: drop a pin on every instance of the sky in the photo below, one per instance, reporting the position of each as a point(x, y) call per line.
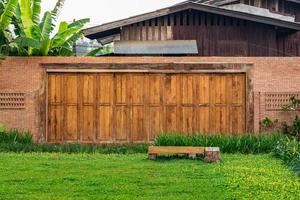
point(103, 11)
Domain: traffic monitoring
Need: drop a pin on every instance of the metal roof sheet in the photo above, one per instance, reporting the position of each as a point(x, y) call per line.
point(168, 47)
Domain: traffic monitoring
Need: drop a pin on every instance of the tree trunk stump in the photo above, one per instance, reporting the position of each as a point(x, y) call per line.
point(212, 154)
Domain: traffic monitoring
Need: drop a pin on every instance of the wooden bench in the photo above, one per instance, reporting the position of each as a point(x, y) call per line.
point(212, 154)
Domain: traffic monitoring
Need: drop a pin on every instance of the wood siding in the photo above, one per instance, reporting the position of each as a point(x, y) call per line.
point(130, 108)
point(217, 35)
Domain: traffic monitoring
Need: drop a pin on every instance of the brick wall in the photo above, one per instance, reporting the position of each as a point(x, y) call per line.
point(26, 75)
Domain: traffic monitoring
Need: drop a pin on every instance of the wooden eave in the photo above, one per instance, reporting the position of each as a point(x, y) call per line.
point(191, 6)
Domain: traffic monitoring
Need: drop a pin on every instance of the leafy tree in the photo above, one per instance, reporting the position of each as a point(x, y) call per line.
point(34, 35)
point(7, 11)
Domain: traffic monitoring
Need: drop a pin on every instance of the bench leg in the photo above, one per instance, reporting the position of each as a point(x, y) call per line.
point(193, 156)
point(212, 154)
point(152, 156)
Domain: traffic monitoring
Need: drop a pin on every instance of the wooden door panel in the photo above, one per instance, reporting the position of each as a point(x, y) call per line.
point(105, 87)
point(171, 119)
point(170, 89)
point(202, 89)
point(188, 120)
point(136, 90)
point(155, 89)
point(155, 121)
point(55, 88)
point(238, 89)
point(123, 107)
point(122, 123)
point(55, 123)
point(88, 128)
point(219, 91)
point(105, 123)
point(220, 120)
point(138, 124)
point(71, 89)
point(71, 123)
point(122, 89)
point(187, 88)
point(203, 120)
point(238, 120)
point(88, 89)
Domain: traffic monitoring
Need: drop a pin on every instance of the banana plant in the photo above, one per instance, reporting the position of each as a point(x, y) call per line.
point(34, 35)
point(7, 12)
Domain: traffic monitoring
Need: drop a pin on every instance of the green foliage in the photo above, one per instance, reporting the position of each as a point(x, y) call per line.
point(289, 151)
point(15, 137)
point(85, 176)
point(31, 36)
point(36, 37)
point(293, 105)
point(100, 51)
point(295, 165)
point(228, 144)
point(2, 128)
point(292, 130)
point(7, 13)
point(73, 148)
point(268, 123)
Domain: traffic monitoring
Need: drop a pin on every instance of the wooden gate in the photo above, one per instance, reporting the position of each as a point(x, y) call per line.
point(125, 108)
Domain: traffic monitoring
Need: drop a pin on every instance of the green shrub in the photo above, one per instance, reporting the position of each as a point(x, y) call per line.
point(289, 151)
point(228, 144)
point(73, 148)
point(2, 128)
point(14, 137)
point(294, 129)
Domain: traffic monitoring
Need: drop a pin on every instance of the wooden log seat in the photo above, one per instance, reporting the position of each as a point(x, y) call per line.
point(212, 154)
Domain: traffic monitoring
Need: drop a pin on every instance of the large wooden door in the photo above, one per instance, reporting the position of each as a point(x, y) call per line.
point(125, 108)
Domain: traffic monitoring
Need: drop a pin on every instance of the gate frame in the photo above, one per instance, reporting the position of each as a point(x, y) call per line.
point(167, 68)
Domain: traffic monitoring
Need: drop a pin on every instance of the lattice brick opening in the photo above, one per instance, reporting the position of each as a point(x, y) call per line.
point(275, 100)
point(12, 100)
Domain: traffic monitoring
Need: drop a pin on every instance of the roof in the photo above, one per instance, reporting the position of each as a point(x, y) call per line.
point(168, 47)
point(294, 1)
point(205, 6)
point(214, 2)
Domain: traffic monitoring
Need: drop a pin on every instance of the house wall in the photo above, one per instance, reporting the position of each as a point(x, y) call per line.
point(279, 6)
point(28, 76)
point(216, 35)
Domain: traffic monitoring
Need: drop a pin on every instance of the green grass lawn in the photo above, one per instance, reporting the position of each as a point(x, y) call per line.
point(63, 176)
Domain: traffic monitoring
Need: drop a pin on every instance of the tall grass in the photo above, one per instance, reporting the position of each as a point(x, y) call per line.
point(246, 144)
point(15, 137)
point(74, 148)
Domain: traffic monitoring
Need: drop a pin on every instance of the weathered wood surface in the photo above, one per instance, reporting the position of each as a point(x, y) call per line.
point(175, 150)
point(212, 154)
point(133, 108)
point(217, 35)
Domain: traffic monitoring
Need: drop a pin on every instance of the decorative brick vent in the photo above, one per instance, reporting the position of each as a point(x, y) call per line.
point(275, 100)
point(12, 100)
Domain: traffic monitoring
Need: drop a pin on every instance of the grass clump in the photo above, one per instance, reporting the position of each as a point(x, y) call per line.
point(14, 136)
point(246, 144)
point(22, 142)
point(74, 148)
